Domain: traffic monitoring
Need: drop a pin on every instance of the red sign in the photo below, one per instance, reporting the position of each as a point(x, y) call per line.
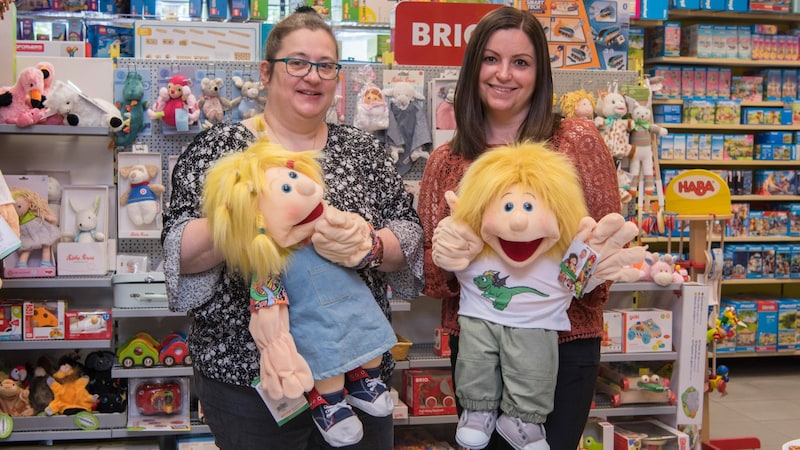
point(435, 34)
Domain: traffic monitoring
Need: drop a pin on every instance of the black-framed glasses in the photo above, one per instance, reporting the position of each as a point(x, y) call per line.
point(298, 67)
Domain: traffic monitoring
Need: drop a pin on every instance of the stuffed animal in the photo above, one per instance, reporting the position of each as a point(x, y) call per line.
point(78, 109)
point(176, 105)
point(262, 204)
point(332, 116)
point(612, 122)
point(22, 102)
point(250, 102)
point(132, 108)
point(36, 226)
point(517, 221)
point(212, 103)
point(54, 191)
point(580, 104)
point(48, 72)
point(40, 393)
point(641, 156)
point(372, 111)
point(445, 112)
point(408, 131)
point(14, 400)
point(140, 200)
point(70, 395)
point(111, 393)
point(86, 222)
point(661, 270)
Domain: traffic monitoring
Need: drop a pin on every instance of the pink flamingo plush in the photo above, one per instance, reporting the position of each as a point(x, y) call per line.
point(22, 102)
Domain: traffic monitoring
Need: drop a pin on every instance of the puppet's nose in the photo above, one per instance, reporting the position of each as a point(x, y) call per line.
point(306, 187)
point(518, 221)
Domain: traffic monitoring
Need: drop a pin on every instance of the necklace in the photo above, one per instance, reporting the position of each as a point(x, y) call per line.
point(265, 130)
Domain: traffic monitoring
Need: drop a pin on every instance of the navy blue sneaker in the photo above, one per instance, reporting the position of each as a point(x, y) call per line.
point(335, 419)
point(368, 393)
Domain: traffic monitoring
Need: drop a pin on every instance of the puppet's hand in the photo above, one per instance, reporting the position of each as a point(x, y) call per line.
point(9, 213)
point(284, 372)
point(609, 237)
point(454, 244)
point(342, 237)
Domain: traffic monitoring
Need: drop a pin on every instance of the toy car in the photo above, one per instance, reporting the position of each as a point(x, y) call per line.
point(141, 349)
point(610, 36)
point(646, 330)
point(173, 350)
point(158, 398)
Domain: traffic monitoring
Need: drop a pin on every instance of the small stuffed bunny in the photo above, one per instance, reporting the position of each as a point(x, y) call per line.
point(613, 125)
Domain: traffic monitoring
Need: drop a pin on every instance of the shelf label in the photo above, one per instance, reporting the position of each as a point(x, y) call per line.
point(698, 192)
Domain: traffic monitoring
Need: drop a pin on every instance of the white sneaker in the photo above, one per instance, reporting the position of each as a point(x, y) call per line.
point(522, 435)
point(475, 428)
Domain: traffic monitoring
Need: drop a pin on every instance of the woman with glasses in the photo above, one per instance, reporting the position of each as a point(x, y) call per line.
point(300, 73)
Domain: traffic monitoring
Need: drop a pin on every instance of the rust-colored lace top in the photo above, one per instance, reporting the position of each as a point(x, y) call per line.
point(581, 142)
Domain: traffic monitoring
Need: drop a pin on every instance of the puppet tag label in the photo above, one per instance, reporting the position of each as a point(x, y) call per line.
point(284, 409)
point(577, 267)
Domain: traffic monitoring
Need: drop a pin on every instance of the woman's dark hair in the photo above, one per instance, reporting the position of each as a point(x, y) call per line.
point(303, 18)
point(470, 137)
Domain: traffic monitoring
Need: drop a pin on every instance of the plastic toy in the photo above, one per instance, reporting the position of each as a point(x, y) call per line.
point(176, 104)
point(21, 104)
point(79, 110)
point(86, 222)
point(37, 227)
point(173, 350)
point(140, 200)
point(212, 103)
point(69, 390)
point(158, 398)
point(14, 399)
point(407, 107)
point(611, 121)
point(132, 108)
point(580, 104)
point(250, 102)
point(139, 350)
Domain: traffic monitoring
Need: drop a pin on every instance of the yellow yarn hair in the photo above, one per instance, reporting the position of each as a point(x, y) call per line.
point(570, 100)
point(550, 175)
point(230, 202)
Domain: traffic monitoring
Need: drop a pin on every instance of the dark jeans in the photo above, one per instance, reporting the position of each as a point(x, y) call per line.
point(578, 364)
point(239, 420)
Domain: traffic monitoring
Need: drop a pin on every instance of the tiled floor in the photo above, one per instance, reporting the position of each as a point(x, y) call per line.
point(763, 400)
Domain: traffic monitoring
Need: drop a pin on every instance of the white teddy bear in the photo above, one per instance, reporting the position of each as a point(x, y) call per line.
point(141, 199)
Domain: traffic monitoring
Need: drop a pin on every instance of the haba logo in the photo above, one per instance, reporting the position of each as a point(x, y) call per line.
point(696, 187)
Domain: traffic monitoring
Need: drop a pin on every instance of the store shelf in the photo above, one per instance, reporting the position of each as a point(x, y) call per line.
point(55, 345)
point(741, 281)
point(633, 410)
point(729, 127)
point(709, 163)
point(679, 101)
point(64, 130)
point(728, 239)
point(118, 313)
point(755, 354)
point(654, 356)
point(691, 60)
point(730, 16)
point(643, 286)
point(152, 372)
point(66, 282)
point(766, 198)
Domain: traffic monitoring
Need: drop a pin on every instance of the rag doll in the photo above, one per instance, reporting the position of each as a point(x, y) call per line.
point(408, 132)
point(176, 105)
point(580, 104)
point(445, 112)
point(372, 112)
point(612, 123)
point(132, 108)
point(263, 204)
point(641, 156)
point(36, 227)
point(520, 215)
point(212, 103)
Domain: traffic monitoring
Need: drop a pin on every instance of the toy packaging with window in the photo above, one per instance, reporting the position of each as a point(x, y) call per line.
point(158, 404)
point(612, 332)
point(429, 392)
point(10, 321)
point(641, 434)
point(140, 189)
point(646, 330)
point(44, 320)
point(88, 324)
point(84, 227)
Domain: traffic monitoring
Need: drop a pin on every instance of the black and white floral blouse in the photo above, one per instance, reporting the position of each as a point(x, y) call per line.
point(360, 177)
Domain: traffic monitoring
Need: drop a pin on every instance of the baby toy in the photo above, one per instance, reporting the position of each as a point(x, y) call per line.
point(78, 109)
point(641, 156)
point(519, 210)
point(14, 400)
point(132, 108)
point(250, 102)
point(445, 112)
point(176, 105)
point(611, 121)
point(372, 111)
point(140, 200)
point(663, 270)
point(212, 103)
point(36, 226)
point(408, 130)
point(21, 104)
point(86, 222)
point(261, 204)
point(580, 104)
point(70, 395)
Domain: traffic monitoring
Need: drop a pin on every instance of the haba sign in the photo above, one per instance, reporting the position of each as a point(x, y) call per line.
point(698, 192)
point(435, 34)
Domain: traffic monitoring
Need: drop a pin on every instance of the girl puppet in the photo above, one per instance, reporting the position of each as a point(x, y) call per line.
point(36, 226)
point(262, 205)
point(526, 204)
point(579, 104)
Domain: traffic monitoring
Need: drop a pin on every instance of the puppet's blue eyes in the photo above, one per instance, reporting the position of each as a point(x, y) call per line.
point(286, 188)
point(527, 206)
point(508, 207)
point(292, 174)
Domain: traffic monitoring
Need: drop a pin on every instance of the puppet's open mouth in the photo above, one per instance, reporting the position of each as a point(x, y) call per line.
point(519, 251)
point(313, 216)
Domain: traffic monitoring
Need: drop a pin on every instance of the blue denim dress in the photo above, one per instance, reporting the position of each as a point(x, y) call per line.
point(336, 323)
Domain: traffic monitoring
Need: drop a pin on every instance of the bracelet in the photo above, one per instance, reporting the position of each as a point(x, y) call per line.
point(266, 294)
point(374, 257)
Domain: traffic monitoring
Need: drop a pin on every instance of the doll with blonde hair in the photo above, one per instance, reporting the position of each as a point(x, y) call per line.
point(580, 103)
point(262, 205)
point(36, 226)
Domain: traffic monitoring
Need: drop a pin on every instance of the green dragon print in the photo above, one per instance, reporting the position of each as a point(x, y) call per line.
point(494, 288)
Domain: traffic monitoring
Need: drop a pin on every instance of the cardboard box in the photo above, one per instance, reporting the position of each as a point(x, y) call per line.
point(10, 321)
point(767, 331)
point(689, 375)
point(441, 342)
point(646, 330)
point(43, 320)
point(787, 324)
point(88, 324)
point(612, 332)
point(429, 392)
point(638, 434)
point(747, 314)
point(193, 41)
point(598, 431)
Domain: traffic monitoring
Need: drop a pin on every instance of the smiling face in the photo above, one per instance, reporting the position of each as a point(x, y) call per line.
point(508, 74)
point(291, 205)
point(518, 226)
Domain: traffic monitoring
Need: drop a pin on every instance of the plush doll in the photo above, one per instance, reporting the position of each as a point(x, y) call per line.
point(641, 156)
point(408, 131)
point(70, 395)
point(54, 191)
point(141, 199)
point(36, 226)
point(445, 112)
point(86, 222)
point(79, 110)
point(212, 103)
point(332, 116)
point(372, 112)
point(132, 108)
point(663, 270)
point(14, 399)
point(176, 105)
point(111, 393)
point(518, 221)
point(40, 393)
point(22, 102)
point(580, 104)
point(251, 101)
point(612, 123)
point(263, 205)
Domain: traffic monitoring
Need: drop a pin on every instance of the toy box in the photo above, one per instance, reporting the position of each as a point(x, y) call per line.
point(648, 434)
point(441, 342)
point(597, 433)
point(696, 40)
point(690, 344)
point(794, 219)
point(84, 227)
point(646, 330)
point(441, 92)
point(783, 257)
point(10, 321)
point(141, 190)
point(202, 442)
point(158, 404)
point(43, 320)
point(768, 254)
point(612, 332)
point(767, 331)
point(787, 324)
point(88, 324)
point(755, 252)
point(795, 264)
point(628, 382)
point(775, 182)
point(747, 313)
point(429, 392)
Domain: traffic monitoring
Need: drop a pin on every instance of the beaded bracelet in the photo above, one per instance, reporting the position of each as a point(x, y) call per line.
point(374, 257)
